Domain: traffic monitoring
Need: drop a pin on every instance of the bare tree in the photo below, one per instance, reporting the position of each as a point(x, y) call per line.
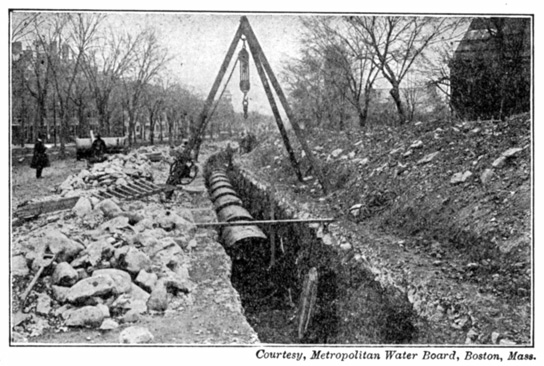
point(173, 108)
point(23, 25)
point(71, 35)
point(336, 71)
point(154, 100)
point(352, 60)
point(397, 42)
point(149, 59)
point(305, 81)
point(32, 70)
point(106, 65)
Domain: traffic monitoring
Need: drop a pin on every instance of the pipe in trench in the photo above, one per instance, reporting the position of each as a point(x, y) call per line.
point(228, 206)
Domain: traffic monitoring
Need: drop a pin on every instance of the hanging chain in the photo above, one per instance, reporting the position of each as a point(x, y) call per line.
point(245, 105)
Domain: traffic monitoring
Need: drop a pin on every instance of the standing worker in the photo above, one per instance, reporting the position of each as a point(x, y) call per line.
point(40, 159)
point(98, 149)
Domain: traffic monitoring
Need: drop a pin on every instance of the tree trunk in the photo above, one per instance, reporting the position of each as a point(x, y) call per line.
point(362, 118)
point(151, 130)
point(130, 127)
point(161, 129)
point(363, 112)
point(63, 132)
point(39, 122)
point(395, 94)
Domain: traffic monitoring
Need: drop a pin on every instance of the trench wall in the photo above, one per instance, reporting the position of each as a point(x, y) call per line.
point(352, 306)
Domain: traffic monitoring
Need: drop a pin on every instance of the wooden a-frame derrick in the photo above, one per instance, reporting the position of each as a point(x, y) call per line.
point(265, 74)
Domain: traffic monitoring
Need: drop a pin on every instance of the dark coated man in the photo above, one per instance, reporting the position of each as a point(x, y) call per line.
point(40, 159)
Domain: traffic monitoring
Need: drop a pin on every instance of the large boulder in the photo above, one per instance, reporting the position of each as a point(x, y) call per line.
point(94, 253)
point(164, 250)
point(148, 237)
point(60, 293)
point(19, 266)
point(134, 260)
point(99, 285)
point(170, 221)
point(64, 275)
point(144, 224)
point(43, 304)
point(109, 324)
point(176, 283)
point(109, 208)
point(57, 243)
point(146, 280)
point(83, 207)
point(87, 316)
point(158, 301)
point(135, 335)
point(135, 301)
point(122, 279)
point(115, 224)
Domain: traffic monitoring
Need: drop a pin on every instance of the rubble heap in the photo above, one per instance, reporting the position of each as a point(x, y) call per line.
point(114, 260)
point(116, 170)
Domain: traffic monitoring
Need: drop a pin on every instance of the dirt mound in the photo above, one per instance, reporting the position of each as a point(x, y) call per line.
point(457, 194)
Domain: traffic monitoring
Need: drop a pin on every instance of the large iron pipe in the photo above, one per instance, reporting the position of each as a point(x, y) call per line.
point(218, 185)
point(233, 213)
point(217, 174)
point(228, 207)
point(226, 200)
point(219, 179)
point(222, 192)
point(234, 234)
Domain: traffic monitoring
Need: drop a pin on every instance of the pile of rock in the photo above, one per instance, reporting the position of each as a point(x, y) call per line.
point(116, 170)
point(115, 261)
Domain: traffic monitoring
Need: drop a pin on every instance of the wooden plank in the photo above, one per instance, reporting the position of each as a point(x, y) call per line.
point(140, 185)
point(139, 190)
point(39, 208)
point(307, 302)
point(145, 185)
point(124, 191)
point(117, 194)
point(150, 193)
point(105, 194)
point(133, 191)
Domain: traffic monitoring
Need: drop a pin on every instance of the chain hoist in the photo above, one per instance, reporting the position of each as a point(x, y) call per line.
point(243, 58)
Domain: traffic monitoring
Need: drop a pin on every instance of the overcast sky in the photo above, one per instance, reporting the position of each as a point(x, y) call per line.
point(199, 41)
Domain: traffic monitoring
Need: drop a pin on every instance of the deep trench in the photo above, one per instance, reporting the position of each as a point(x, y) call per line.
point(351, 306)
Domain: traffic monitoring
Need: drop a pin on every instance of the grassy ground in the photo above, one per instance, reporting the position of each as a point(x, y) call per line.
point(25, 186)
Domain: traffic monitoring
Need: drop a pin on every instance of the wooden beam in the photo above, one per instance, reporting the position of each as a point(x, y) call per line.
point(252, 38)
point(39, 208)
point(275, 110)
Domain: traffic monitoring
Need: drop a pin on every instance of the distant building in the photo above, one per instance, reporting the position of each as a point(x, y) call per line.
point(491, 69)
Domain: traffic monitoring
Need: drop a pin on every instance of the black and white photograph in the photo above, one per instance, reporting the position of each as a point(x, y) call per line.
point(273, 185)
